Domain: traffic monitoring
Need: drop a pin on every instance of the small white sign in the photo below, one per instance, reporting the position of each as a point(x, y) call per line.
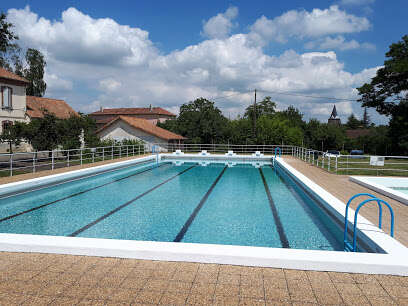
point(377, 160)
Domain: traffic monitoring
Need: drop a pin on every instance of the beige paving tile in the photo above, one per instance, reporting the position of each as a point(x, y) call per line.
point(226, 290)
point(381, 300)
point(38, 300)
point(13, 299)
point(65, 301)
point(372, 289)
point(110, 281)
point(206, 278)
point(230, 279)
point(355, 300)
point(328, 297)
point(252, 292)
point(348, 289)
point(222, 300)
point(124, 295)
point(254, 280)
point(251, 301)
point(208, 268)
point(149, 297)
point(273, 273)
point(133, 283)
point(203, 289)
point(172, 298)
point(175, 286)
point(275, 283)
point(397, 291)
point(52, 290)
point(156, 285)
point(184, 276)
point(76, 290)
point(277, 294)
point(199, 299)
point(98, 293)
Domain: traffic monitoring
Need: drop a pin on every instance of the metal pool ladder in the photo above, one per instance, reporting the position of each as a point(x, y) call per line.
point(352, 247)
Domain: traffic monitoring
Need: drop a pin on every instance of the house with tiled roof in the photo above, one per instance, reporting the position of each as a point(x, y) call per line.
point(151, 114)
point(131, 128)
point(17, 106)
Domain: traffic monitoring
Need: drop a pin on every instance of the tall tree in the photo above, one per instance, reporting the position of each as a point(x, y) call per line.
point(387, 93)
point(353, 123)
point(35, 73)
point(264, 108)
point(8, 45)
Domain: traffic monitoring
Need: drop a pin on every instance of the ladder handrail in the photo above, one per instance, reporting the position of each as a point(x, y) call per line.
point(373, 198)
point(278, 148)
point(346, 213)
point(355, 218)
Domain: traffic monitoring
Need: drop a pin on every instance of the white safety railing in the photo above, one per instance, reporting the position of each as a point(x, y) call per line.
point(25, 162)
point(17, 163)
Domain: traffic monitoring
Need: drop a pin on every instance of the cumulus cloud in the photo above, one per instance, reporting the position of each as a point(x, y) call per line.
point(78, 38)
point(230, 66)
point(109, 84)
point(220, 26)
point(302, 24)
point(339, 43)
point(55, 83)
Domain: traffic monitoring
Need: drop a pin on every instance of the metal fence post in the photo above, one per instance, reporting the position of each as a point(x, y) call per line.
point(80, 154)
point(133, 150)
point(336, 164)
point(139, 150)
point(103, 153)
point(112, 151)
point(120, 151)
point(52, 160)
point(68, 158)
point(34, 163)
point(11, 164)
point(127, 151)
point(93, 156)
point(328, 164)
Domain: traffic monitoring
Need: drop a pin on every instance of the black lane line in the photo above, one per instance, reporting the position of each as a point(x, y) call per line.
point(190, 220)
point(74, 195)
point(126, 204)
point(279, 227)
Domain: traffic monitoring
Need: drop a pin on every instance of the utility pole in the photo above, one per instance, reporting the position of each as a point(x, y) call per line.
point(254, 118)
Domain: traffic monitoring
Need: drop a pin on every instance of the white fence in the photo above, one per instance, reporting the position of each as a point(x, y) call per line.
point(17, 163)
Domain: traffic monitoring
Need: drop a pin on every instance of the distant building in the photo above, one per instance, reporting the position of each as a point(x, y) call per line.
point(353, 134)
point(127, 127)
point(151, 114)
point(17, 106)
point(334, 119)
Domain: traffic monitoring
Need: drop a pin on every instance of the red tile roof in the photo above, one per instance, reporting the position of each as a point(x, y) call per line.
point(134, 111)
point(145, 126)
point(5, 74)
point(59, 108)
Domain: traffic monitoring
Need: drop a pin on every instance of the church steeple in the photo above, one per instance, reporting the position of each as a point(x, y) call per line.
point(334, 120)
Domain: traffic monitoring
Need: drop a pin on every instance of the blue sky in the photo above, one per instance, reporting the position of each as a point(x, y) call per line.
point(136, 53)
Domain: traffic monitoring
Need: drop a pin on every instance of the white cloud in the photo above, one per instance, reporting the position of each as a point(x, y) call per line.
point(338, 43)
point(109, 85)
point(214, 67)
point(303, 24)
point(220, 26)
point(78, 38)
point(55, 83)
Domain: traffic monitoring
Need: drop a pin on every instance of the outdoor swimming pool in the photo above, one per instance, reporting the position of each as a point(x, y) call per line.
point(213, 204)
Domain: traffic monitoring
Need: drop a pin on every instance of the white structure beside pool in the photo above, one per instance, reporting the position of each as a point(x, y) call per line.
point(393, 187)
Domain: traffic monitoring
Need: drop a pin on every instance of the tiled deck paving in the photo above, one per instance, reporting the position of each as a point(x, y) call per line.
point(343, 189)
point(48, 279)
point(41, 279)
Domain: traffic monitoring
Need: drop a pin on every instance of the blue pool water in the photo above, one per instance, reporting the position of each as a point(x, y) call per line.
point(215, 204)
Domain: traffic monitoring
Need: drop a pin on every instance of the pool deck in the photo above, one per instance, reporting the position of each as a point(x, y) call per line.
point(50, 279)
point(341, 187)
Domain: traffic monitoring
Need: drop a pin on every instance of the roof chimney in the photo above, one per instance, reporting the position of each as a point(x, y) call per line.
point(101, 109)
point(150, 108)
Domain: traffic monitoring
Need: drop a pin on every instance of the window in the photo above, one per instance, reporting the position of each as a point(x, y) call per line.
point(6, 94)
point(6, 124)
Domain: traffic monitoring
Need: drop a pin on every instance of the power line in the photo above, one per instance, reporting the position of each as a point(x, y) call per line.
point(232, 95)
point(306, 96)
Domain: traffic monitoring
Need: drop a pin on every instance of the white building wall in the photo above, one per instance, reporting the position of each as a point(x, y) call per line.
point(120, 130)
point(18, 110)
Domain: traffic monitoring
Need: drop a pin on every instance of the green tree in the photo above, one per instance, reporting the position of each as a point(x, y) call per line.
point(35, 73)
point(13, 134)
point(353, 123)
point(201, 122)
point(264, 108)
point(43, 133)
point(8, 45)
point(387, 93)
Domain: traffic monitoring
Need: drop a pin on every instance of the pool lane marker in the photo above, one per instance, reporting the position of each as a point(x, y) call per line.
point(279, 226)
point(190, 220)
point(75, 194)
point(76, 233)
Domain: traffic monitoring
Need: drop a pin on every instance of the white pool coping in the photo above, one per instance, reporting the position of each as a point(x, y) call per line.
point(382, 185)
point(392, 263)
